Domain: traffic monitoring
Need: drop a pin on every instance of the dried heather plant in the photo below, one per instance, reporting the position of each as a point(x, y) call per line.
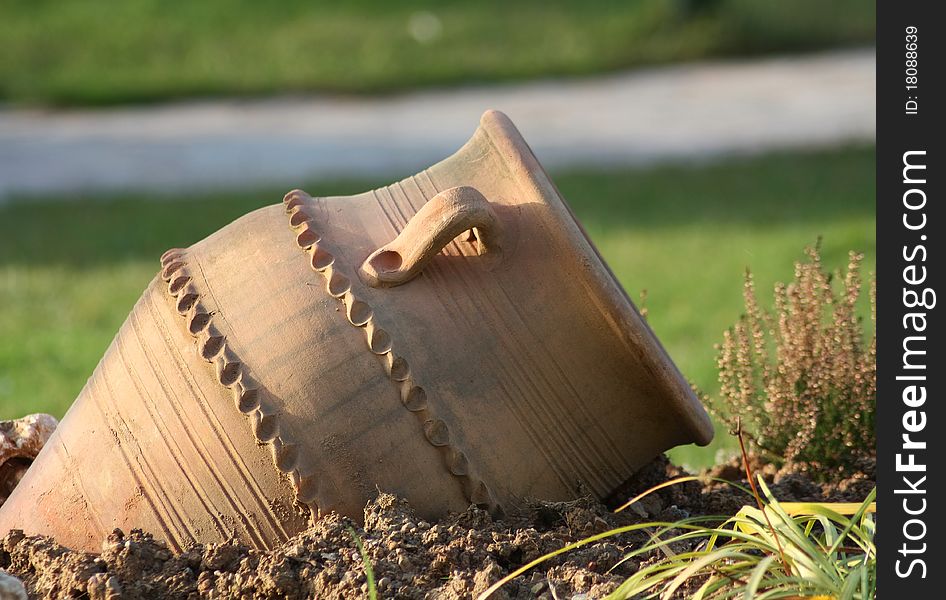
point(803, 381)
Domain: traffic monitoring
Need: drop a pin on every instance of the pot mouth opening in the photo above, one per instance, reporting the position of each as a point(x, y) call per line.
point(620, 309)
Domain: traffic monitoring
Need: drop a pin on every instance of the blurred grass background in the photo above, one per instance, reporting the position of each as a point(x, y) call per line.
point(89, 52)
point(71, 269)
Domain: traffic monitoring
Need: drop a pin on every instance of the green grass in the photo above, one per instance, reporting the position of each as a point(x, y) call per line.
point(779, 550)
point(93, 52)
point(71, 270)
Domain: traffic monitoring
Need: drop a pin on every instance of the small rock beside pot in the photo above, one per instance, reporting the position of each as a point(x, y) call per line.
point(20, 442)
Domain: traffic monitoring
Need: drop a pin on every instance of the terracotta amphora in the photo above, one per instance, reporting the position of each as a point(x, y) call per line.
point(453, 338)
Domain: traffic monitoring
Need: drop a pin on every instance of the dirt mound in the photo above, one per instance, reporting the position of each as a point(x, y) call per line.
point(457, 557)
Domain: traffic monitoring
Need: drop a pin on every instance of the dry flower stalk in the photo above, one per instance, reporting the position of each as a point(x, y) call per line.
point(803, 380)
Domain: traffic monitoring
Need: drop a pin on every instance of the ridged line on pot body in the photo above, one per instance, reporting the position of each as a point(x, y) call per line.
point(233, 374)
point(360, 314)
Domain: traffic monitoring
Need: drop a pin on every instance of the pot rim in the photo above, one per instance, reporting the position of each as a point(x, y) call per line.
point(617, 306)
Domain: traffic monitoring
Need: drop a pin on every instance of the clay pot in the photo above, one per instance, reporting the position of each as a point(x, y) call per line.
point(453, 338)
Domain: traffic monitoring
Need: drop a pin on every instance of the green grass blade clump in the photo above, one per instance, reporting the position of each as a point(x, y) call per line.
point(828, 555)
point(810, 550)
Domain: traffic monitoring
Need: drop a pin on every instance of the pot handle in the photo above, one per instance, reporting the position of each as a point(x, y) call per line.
point(440, 220)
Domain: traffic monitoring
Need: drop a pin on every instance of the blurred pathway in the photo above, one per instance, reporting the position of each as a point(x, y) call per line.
point(674, 113)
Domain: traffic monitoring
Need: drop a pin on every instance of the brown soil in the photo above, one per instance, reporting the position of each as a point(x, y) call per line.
point(456, 558)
